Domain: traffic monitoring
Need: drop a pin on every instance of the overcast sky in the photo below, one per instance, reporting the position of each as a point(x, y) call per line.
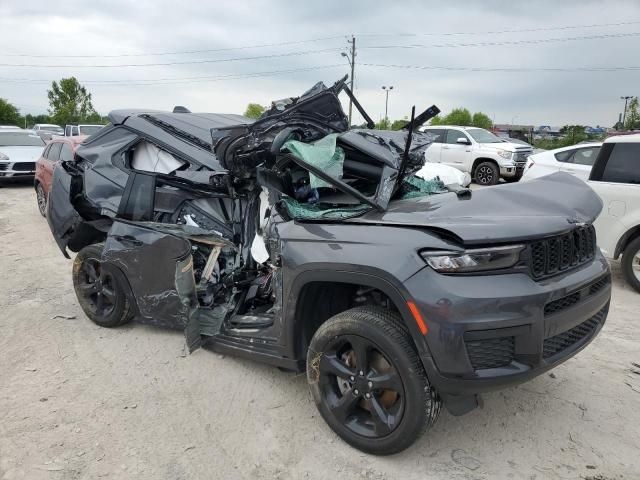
point(533, 36)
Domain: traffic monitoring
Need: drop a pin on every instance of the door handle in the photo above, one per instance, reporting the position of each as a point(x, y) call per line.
point(445, 148)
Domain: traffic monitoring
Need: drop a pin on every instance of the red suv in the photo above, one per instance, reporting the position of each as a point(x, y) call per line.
point(59, 148)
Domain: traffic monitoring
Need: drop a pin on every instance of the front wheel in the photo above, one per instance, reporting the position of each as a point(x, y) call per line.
point(487, 173)
point(368, 382)
point(631, 264)
point(99, 292)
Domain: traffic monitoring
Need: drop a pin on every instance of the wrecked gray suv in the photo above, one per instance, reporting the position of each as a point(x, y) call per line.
point(296, 241)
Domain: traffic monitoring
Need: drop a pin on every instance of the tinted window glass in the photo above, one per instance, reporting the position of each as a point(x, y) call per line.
point(74, 131)
point(439, 132)
point(623, 165)
point(564, 156)
point(585, 156)
point(483, 136)
point(54, 152)
point(454, 135)
point(66, 154)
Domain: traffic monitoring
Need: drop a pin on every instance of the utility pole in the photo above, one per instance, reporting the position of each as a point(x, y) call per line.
point(352, 62)
point(386, 102)
point(624, 115)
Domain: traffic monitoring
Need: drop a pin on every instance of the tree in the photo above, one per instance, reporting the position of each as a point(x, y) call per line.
point(458, 116)
point(462, 117)
point(70, 102)
point(9, 114)
point(383, 124)
point(398, 124)
point(481, 120)
point(254, 110)
point(632, 120)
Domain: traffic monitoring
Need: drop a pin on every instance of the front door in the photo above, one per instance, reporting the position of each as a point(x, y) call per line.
point(580, 163)
point(454, 153)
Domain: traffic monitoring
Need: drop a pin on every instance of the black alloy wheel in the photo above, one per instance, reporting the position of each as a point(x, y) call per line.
point(368, 382)
point(360, 387)
point(98, 288)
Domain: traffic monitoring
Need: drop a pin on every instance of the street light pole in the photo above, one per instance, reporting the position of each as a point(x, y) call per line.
point(352, 64)
point(624, 114)
point(386, 102)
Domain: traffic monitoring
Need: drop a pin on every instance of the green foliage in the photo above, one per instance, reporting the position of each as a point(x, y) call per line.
point(9, 114)
point(383, 124)
point(459, 116)
point(632, 120)
point(254, 110)
point(70, 102)
point(462, 117)
point(398, 124)
point(481, 120)
point(33, 119)
point(572, 134)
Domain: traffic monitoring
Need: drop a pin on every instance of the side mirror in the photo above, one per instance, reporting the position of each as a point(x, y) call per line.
point(463, 140)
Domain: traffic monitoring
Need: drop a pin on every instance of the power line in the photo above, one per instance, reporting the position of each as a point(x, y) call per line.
point(506, 69)
point(190, 62)
point(180, 52)
point(319, 39)
point(178, 80)
point(496, 32)
point(505, 42)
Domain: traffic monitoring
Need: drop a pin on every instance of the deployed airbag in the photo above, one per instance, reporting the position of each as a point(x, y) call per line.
point(149, 158)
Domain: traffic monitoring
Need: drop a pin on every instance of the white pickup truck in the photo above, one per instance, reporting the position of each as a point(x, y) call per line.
point(478, 152)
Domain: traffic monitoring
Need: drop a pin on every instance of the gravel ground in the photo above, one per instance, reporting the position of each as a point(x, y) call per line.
point(81, 402)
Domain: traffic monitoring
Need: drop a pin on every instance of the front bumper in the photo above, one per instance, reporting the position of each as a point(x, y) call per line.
point(17, 169)
point(488, 332)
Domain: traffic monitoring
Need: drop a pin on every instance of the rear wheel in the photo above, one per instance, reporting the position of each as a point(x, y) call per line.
point(100, 294)
point(368, 382)
point(631, 263)
point(41, 197)
point(487, 173)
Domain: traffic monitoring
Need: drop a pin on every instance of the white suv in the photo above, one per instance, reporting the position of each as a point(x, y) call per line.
point(485, 156)
point(615, 177)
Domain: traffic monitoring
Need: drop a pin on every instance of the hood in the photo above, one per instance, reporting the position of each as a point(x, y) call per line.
point(22, 153)
point(506, 213)
point(508, 146)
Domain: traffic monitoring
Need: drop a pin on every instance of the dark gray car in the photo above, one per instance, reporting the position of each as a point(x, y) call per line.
point(295, 241)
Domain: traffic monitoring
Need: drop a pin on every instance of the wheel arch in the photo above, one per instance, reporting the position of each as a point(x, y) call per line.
point(629, 236)
point(306, 310)
point(479, 160)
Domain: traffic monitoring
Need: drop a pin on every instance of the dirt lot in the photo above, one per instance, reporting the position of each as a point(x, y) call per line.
point(81, 402)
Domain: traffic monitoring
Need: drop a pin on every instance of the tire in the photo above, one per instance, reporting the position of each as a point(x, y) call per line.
point(631, 263)
point(41, 198)
point(486, 173)
point(100, 294)
point(346, 393)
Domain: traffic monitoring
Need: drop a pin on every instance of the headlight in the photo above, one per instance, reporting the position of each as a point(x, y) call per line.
point(477, 260)
point(504, 154)
point(3, 157)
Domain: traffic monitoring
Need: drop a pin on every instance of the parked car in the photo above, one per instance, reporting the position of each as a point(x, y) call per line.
point(60, 149)
point(615, 177)
point(296, 241)
point(47, 130)
point(19, 150)
point(576, 160)
point(85, 130)
point(485, 156)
